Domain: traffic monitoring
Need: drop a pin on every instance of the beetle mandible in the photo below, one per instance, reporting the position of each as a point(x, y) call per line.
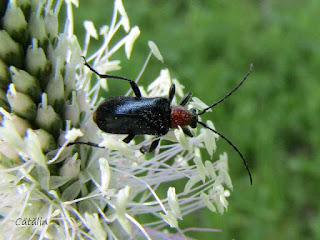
point(151, 116)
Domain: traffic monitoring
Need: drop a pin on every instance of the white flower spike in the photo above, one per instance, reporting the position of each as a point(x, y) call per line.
point(78, 191)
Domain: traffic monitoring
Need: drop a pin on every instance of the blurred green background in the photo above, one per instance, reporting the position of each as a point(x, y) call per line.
point(273, 118)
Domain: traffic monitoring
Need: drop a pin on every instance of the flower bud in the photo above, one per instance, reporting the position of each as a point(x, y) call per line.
point(47, 118)
point(4, 75)
point(51, 24)
point(3, 100)
point(36, 60)
point(10, 51)
point(47, 142)
point(55, 92)
point(21, 103)
point(71, 167)
point(72, 111)
point(26, 83)
point(20, 124)
point(37, 28)
point(9, 152)
point(15, 24)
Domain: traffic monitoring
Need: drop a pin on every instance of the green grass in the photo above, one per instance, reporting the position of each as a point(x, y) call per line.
point(273, 118)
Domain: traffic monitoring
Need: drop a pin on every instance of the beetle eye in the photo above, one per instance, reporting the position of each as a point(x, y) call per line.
point(94, 116)
point(194, 118)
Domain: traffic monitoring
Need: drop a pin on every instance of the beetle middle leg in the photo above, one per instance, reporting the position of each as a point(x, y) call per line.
point(133, 84)
point(185, 99)
point(172, 91)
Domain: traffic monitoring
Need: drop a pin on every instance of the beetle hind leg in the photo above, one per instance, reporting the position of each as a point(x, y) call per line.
point(152, 147)
point(129, 138)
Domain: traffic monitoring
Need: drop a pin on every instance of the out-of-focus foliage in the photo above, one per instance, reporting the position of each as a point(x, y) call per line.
point(273, 118)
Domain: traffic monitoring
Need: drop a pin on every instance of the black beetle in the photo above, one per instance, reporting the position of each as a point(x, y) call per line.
point(152, 116)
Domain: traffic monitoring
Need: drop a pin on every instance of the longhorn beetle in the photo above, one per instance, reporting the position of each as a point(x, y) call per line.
point(152, 116)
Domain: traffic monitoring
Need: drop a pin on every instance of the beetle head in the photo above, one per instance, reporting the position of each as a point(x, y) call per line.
point(194, 118)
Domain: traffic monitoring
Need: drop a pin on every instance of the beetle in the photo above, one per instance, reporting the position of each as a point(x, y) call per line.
point(151, 116)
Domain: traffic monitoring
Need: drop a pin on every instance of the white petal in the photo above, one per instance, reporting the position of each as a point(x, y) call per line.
point(201, 169)
point(132, 36)
point(198, 104)
point(104, 30)
point(210, 169)
point(183, 140)
point(73, 134)
point(170, 218)
point(205, 198)
point(192, 181)
point(155, 50)
point(174, 202)
point(105, 173)
point(124, 19)
point(95, 226)
point(122, 199)
point(90, 28)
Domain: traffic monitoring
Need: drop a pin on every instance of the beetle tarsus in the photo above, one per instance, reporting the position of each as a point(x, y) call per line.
point(143, 149)
point(152, 147)
point(86, 143)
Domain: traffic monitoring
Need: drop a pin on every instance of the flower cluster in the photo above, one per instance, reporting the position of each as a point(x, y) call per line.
point(46, 101)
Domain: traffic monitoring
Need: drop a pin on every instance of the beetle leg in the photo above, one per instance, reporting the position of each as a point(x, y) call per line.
point(133, 84)
point(128, 138)
point(185, 99)
point(187, 132)
point(153, 146)
point(135, 89)
point(172, 92)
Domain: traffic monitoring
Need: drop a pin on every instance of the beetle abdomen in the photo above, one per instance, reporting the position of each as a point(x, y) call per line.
point(131, 115)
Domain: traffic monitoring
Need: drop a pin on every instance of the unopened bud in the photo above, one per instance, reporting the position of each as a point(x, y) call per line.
point(51, 23)
point(36, 60)
point(47, 118)
point(21, 103)
point(4, 75)
point(20, 124)
point(26, 83)
point(10, 50)
point(72, 111)
point(47, 142)
point(15, 23)
point(37, 27)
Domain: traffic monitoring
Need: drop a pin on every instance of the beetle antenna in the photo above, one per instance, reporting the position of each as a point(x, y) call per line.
point(230, 143)
point(228, 95)
point(86, 143)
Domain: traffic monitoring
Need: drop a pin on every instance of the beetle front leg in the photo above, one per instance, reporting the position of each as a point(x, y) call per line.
point(187, 132)
point(133, 84)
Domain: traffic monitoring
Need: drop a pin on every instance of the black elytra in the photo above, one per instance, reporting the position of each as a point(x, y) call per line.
point(150, 116)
